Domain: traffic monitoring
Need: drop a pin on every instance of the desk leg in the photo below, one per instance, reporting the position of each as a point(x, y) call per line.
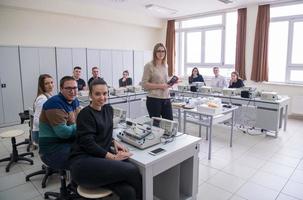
point(209, 137)
point(200, 135)
point(179, 118)
point(206, 135)
point(285, 117)
point(147, 182)
point(232, 128)
point(184, 122)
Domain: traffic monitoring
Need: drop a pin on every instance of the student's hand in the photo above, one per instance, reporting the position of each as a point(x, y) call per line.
point(119, 147)
point(164, 86)
point(121, 155)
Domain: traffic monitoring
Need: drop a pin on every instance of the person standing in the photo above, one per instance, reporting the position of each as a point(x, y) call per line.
point(218, 81)
point(45, 91)
point(125, 80)
point(57, 125)
point(77, 74)
point(95, 73)
point(154, 80)
point(92, 162)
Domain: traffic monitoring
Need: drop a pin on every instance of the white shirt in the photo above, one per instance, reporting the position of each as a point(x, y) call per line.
point(40, 100)
point(219, 82)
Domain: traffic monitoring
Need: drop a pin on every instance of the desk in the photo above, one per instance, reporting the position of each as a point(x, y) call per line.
point(131, 102)
point(269, 114)
point(171, 175)
point(208, 120)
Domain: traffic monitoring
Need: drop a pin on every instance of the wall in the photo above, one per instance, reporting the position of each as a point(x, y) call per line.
point(284, 89)
point(34, 28)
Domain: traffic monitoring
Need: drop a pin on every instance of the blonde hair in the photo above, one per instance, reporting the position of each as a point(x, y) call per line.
point(156, 47)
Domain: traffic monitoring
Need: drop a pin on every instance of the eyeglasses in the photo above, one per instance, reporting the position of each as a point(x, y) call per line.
point(160, 51)
point(71, 88)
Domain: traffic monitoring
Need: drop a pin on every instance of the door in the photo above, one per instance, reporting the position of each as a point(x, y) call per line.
point(11, 84)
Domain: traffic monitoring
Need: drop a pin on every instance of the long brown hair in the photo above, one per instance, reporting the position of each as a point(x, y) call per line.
point(155, 53)
point(41, 89)
point(237, 74)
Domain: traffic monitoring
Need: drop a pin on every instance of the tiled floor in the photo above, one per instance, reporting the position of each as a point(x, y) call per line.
point(256, 167)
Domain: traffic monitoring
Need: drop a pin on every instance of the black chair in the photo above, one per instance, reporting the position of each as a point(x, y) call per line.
point(66, 192)
point(47, 171)
point(25, 115)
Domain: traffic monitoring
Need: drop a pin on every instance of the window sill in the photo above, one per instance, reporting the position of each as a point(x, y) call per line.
point(283, 84)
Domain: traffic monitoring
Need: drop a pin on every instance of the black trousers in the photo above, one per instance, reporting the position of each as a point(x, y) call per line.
point(159, 108)
point(122, 177)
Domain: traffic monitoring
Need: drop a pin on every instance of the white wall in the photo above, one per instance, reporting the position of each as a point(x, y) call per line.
point(35, 28)
point(291, 90)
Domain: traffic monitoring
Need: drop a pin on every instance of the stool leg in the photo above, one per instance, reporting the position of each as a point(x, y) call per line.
point(26, 154)
point(5, 159)
point(26, 159)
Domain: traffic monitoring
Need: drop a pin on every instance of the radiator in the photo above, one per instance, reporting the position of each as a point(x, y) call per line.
point(297, 105)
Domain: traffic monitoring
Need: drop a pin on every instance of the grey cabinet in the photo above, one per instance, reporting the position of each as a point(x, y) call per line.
point(140, 59)
point(11, 95)
point(103, 60)
point(121, 60)
point(33, 62)
point(67, 59)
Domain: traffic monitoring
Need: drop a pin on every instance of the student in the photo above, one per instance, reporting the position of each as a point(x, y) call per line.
point(57, 125)
point(125, 80)
point(45, 91)
point(154, 80)
point(92, 163)
point(235, 81)
point(218, 81)
point(95, 73)
point(76, 74)
point(195, 76)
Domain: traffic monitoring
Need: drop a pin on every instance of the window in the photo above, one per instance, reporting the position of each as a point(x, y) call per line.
point(200, 42)
point(285, 51)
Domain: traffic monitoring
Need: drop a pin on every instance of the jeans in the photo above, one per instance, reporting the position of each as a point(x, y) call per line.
point(58, 159)
point(35, 137)
point(159, 108)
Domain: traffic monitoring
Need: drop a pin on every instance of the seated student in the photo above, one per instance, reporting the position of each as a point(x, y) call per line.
point(57, 127)
point(235, 81)
point(76, 74)
point(125, 80)
point(218, 81)
point(92, 163)
point(195, 76)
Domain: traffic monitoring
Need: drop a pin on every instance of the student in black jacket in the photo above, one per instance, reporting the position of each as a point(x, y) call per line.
point(92, 163)
point(125, 80)
point(235, 81)
point(195, 76)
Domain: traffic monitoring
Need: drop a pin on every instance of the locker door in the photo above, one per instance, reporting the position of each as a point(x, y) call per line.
point(79, 59)
point(1, 104)
point(29, 62)
point(106, 66)
point(11, 92)
point(138, 66)
point(64, 63)
point(93, 59)
point(128, 63)
point(117, 61)
point(47, 63)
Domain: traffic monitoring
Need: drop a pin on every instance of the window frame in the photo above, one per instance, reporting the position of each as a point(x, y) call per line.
point(202, 30)
point(289, 65)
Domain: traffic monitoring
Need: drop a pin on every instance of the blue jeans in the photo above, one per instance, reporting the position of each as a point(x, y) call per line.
point(35, 137)
point(58, 159)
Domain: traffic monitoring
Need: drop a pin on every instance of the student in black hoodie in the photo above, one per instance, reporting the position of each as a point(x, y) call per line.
point(92, 163)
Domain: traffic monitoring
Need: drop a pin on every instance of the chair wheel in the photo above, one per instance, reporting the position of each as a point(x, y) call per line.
point(45, 196)
point(26, 179)
point(31, 163)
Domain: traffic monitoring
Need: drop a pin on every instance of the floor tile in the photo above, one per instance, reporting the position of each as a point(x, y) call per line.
point(236, 197)
point(251, 161)
point(226, 181)
point(239, 170)
point(207, 191)
point(205, 172)
point(294, 189)
point(253, 191)
point(10, 181)
point(278, 169)
point(269, 180)
point(21, 192)
point(297, 176)
point(285, 160)
point(285, 197)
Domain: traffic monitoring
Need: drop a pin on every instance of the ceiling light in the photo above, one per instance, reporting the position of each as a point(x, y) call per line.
point(226, 1)
point(160, 9)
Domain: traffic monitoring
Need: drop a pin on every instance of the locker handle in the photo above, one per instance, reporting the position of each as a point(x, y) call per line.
point(3, 85)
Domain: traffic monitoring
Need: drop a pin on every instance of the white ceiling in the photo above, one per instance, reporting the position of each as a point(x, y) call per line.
point(183, 7)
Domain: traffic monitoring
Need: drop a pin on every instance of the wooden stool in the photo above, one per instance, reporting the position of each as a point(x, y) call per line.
point(14, 156)
point(93, 193)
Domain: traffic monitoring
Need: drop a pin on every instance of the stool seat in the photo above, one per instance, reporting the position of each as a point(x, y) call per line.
point(93, 193)
point(11, 133)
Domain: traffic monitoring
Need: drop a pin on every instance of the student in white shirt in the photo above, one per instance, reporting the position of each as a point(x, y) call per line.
point(45, 91)
point(218, 81)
